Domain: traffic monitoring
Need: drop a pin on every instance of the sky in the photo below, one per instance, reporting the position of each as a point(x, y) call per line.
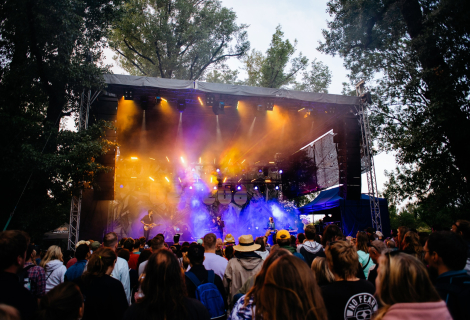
point(302, 20)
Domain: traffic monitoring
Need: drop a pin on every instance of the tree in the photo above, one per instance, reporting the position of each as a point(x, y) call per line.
point(44, 46)
point(222, 75)
point(318, 79)
point(180, 39)
point(416, 55)
point(269, 70)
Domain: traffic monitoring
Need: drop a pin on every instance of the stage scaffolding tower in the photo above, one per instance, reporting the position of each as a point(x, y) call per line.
point(367, 155)
point(86, 99)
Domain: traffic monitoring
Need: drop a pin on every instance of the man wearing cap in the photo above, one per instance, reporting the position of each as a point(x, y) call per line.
point(376, 248)
point(283, 240)
point(243, 265)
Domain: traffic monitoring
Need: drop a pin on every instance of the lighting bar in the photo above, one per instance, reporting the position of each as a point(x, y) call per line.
point(300, 110)
point(200, 101)
point(134, 158)
point(167, 179)
point(167, 159)
point(151, 158)
point(151, 178)
point(225, 179)
point(243, 160)
point(182, 160)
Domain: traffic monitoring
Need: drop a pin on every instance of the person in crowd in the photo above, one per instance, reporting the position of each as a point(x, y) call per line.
point(300, 239)
point(121, 268)
point(228, 253)
point(196, 256)
point(405, 290)
point(463, 228)
point(380, 235)
point(95, 245)
point(293, 241)
point(144, 256)
point(211, 260)
point(54, 267)
point(363, 252)
point(283, 239)
point(121, 243)
point(310, 249)
point(323, 274)
point(133, 275)
point(9, 313)
point(371, 234)
point(157, 244)
point(13, 247)
point(64, 302)
point(72, 261)
point(246, 264)
point(376, 248)
point(342, 296)
point(133, 247)
point(82, 254)
point(446, 253)
point(68, 254)
point(289, 282)
point(391, 244)
point(104, 295)
point(35, 274)
point(184, 261)
point(243, 309)
point(164, 293)
point(412, 246)
point(219, 247)
point(142, 241)
point(262, 252)
point(38, 258)
point(331, 233)
point(401, 231)
point(229, 240)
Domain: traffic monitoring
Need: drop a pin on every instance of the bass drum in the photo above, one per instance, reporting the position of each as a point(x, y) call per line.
point(240, 197)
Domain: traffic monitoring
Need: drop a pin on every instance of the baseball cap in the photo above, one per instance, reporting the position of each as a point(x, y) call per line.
point(282, 234)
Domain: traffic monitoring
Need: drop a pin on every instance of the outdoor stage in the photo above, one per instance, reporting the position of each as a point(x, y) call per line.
point(192, 151)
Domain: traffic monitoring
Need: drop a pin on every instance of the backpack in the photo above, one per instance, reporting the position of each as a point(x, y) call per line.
point(23, 277)
point(208, 294)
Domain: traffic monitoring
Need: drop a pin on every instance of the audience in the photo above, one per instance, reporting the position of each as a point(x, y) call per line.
point(323, 274)
point(33, 276)
point(212, 261)
point(13, 246)
point(121, 268)
point(343, 296)
point(104, 296)
point(284, 241)
point(376, 248)
point(228, 252)
point(64, 302)
point(82, 254)
point(290, 292)
point(164, 292)
point(245, 305)
point(246, 264)
point(401, 231)
point(363, 252)
point(156, 244)
point(405, 290)
point(310, 249)
point(446, 253)
point(262, 252)
point(412, 246)
point(463, 228)
point(54, 267)
point(331, 233)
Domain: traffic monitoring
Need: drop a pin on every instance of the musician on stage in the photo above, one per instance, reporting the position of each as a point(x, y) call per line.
point(271, 224)
point(148, 223)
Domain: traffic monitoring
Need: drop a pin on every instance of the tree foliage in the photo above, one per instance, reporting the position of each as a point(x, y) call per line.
point(318, 79)
point(415, 54)
point(43, 70)
point(180, 39)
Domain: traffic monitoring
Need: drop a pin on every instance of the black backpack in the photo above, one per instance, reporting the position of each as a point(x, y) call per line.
point(24, 275)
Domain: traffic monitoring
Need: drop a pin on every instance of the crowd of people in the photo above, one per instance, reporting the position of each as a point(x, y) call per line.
point(409, 275)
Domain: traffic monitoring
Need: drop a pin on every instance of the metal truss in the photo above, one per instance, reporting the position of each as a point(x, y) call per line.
point(86, 99)
point(367, 156)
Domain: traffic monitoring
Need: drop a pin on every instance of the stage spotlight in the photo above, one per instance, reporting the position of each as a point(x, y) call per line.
point(280, 171)
point(256, 188)
point(210, 100)
point(215, 188)
point(181, 105)
point(260, 170)
point(270, 105)
point(239, 187)
point(190, 187)
point(277, 187)
point(218, 170)
point(128, 94)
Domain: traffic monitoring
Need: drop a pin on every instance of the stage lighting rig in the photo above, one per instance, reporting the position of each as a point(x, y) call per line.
point(128, 94)
point(210, 99)
point(181, 104)
point(219, 109)
point(270, 105)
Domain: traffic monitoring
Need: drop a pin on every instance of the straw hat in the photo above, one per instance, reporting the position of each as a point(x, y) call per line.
point(229, 239)
point(246, 244)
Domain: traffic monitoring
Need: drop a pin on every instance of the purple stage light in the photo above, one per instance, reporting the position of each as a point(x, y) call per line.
point(277, 187)
point(191, 187)
point(280, 171)
point(239, 187)
point(218, 170)
point(121, 186)
point(256, 187)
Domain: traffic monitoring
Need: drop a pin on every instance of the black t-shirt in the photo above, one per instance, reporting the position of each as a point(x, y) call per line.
point(349, 300)
point(16, 295)
point(104, 298)
point(195, 309)
point(147, 220)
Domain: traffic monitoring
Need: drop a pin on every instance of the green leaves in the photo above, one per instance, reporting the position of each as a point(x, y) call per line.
point(177, 39)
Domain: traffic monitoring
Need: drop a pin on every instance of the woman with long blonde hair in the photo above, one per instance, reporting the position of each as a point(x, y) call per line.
point(53, 265)
point(405, 290)
point(322, 271)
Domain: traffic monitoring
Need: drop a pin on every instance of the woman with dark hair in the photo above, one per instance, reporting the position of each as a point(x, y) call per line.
point(401, 231)
point(362, 239)
point(104, 296)
point(411, 245)
point(164, 292)
point(262, 252)
point(290, 292)
point(244, 307)
point(64, 302)
point(331, 233)
point(228, 252)
point(405, 290)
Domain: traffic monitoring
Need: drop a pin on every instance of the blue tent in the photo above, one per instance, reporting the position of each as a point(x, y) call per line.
point(355, 215)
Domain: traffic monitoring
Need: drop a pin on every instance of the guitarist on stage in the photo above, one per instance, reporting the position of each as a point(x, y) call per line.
point(148, 223)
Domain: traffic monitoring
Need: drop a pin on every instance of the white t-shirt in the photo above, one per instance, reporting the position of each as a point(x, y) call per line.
point(216, 263)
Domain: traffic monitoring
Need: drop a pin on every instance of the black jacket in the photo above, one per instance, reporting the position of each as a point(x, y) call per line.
point(454, 289)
